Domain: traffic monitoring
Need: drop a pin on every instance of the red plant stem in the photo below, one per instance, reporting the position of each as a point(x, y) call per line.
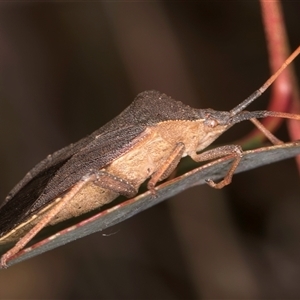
point(285, 92)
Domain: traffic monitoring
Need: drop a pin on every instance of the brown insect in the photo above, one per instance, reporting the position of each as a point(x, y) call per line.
point(147, 140)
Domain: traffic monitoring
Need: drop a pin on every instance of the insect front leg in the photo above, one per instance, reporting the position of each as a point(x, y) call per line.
point(167, 167)
point(229, 151)
point(269, 135)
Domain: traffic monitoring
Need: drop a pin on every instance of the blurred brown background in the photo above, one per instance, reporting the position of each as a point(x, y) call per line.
point(68, 68)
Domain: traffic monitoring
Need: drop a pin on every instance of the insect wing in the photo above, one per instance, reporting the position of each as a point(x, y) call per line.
point(52, 177)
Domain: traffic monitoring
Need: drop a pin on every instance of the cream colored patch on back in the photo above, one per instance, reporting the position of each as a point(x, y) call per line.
point(147, 156)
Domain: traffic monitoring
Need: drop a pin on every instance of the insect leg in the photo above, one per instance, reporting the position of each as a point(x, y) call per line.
point(169, 165)
point(56, 208)
point(272, 138)
point(113, 183)
point(229, 151)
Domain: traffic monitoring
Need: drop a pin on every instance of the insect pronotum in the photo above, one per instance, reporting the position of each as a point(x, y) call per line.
point(147, 140)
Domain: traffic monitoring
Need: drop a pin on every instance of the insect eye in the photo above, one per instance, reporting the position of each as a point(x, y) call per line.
point(210, 122)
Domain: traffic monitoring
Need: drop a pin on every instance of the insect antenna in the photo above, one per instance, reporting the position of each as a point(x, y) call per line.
point(248, 115)
point(258, 92)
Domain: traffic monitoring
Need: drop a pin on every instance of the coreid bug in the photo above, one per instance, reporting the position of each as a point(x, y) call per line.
point(147, 140)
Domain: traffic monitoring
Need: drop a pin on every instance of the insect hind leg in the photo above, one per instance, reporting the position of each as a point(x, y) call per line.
point(53, 211)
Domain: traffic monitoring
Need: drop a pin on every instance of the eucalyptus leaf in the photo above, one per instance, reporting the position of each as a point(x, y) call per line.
point(215, 170)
